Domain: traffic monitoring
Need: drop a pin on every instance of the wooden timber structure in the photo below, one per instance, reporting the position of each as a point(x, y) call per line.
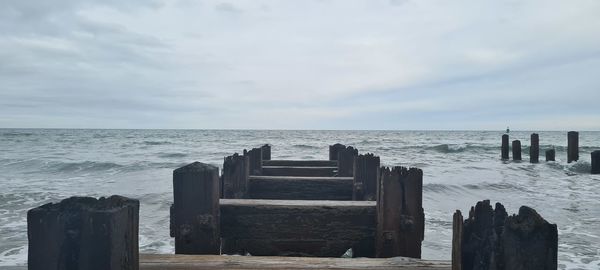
point(288, 214)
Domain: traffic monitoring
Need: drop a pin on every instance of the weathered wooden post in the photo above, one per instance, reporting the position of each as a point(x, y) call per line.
point(366, 170)
point(550, 155)
point(493, 240)
point(266, 152)
point(596, 162)
point(236, 171)
point(572, 146)
point(400, 217)
point(334, 149)
point(505, 147)
point(457, 235)
point(84, 233)
point(516, 149)
point(196, 209)
point(254, 160)
point(534, 150)
point(346, 161)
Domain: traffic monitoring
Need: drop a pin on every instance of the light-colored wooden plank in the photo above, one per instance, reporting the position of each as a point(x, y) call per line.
point(201, 262)
point(295, 203)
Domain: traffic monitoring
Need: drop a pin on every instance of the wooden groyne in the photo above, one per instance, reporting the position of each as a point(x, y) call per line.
point(300, 218)
point(534, 150)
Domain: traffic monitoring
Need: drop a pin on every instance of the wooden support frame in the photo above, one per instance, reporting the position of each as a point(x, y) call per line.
point(366, 173)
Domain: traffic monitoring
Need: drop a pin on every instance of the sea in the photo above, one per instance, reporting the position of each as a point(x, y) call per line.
point(38, 166)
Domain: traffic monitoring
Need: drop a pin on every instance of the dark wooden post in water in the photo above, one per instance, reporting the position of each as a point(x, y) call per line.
point(196, 209)
point(366, 172)
point(516, 150)
point(254, 160)
point(457, 235)
point(534, 149)
point(490, 239)
point(84, 233)
point(266, 152)
point(596, 162)
point(572, 146)
point(550, 155)
point(334, 149)
point(236, 171)
point(400, 217)
point(505, 147)
point(346, 161)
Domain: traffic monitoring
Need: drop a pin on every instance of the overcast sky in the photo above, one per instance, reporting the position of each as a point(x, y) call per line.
point(427, 64)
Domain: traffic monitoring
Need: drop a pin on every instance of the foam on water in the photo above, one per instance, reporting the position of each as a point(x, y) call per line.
point(460, 168)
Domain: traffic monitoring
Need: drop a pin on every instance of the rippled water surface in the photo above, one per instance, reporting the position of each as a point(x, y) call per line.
point(460, 168)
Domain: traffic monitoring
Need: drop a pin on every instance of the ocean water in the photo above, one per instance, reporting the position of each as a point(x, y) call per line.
point(38, 166)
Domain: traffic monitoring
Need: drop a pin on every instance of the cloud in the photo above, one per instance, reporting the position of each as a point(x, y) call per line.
point(299, 64)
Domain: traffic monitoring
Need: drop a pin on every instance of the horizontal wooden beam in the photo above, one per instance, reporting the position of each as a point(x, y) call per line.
point(298, 171)
point(298, 228)
point(300, 188)
point(214, 262)
point(301, 163)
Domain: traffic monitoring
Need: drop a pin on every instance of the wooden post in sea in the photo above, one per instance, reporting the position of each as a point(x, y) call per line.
point(505, 147)
point(346, 161)
point(400, 217)
point(195, 215)
point(550, 155)
point(493, 240)
point(254, 160)
point(572, 146)
point(84, 233)
point(334, 149)
point(236, 170)
point(534, 149)
point(596, 162)
point(516, 150)
point(266, 152)
point(457, 235)
point(366, 172)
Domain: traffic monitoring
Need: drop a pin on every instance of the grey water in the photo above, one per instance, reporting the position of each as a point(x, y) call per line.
point(38, 166)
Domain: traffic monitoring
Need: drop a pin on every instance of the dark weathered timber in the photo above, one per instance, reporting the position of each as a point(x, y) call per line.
point(334, 149)
point(266, 152)
point(457, 235)
point(236, 170)
point(493, 240)
point(366, 172)
point(550, 155)
point(346, 161)
point(572, 146)
point(196, 209)
point(400, 217)
point(301, 163)
point(300, 188)
point(529, 242)
point(479, 244)
point(534, 150)
point(516, 150)
point(299, 171)
point(254, 160)
point(596, 162)
point(505, 147)
point(297, 228)
point(215, 262)
point(84, 233)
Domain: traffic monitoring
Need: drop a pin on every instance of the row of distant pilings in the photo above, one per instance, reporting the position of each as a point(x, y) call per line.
point(534, 150)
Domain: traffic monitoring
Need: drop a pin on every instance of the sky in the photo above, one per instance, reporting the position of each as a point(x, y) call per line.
point(304, 64)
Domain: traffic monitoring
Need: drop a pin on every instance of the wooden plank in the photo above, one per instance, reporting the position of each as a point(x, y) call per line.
point(457, 236)
point(214, 262)
point(346, 161)
point(300, 163)
point(298, 171)
point(254, 160)
point(236, 170)
point(366, 173)
point(300, 188)
point(297, 228)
